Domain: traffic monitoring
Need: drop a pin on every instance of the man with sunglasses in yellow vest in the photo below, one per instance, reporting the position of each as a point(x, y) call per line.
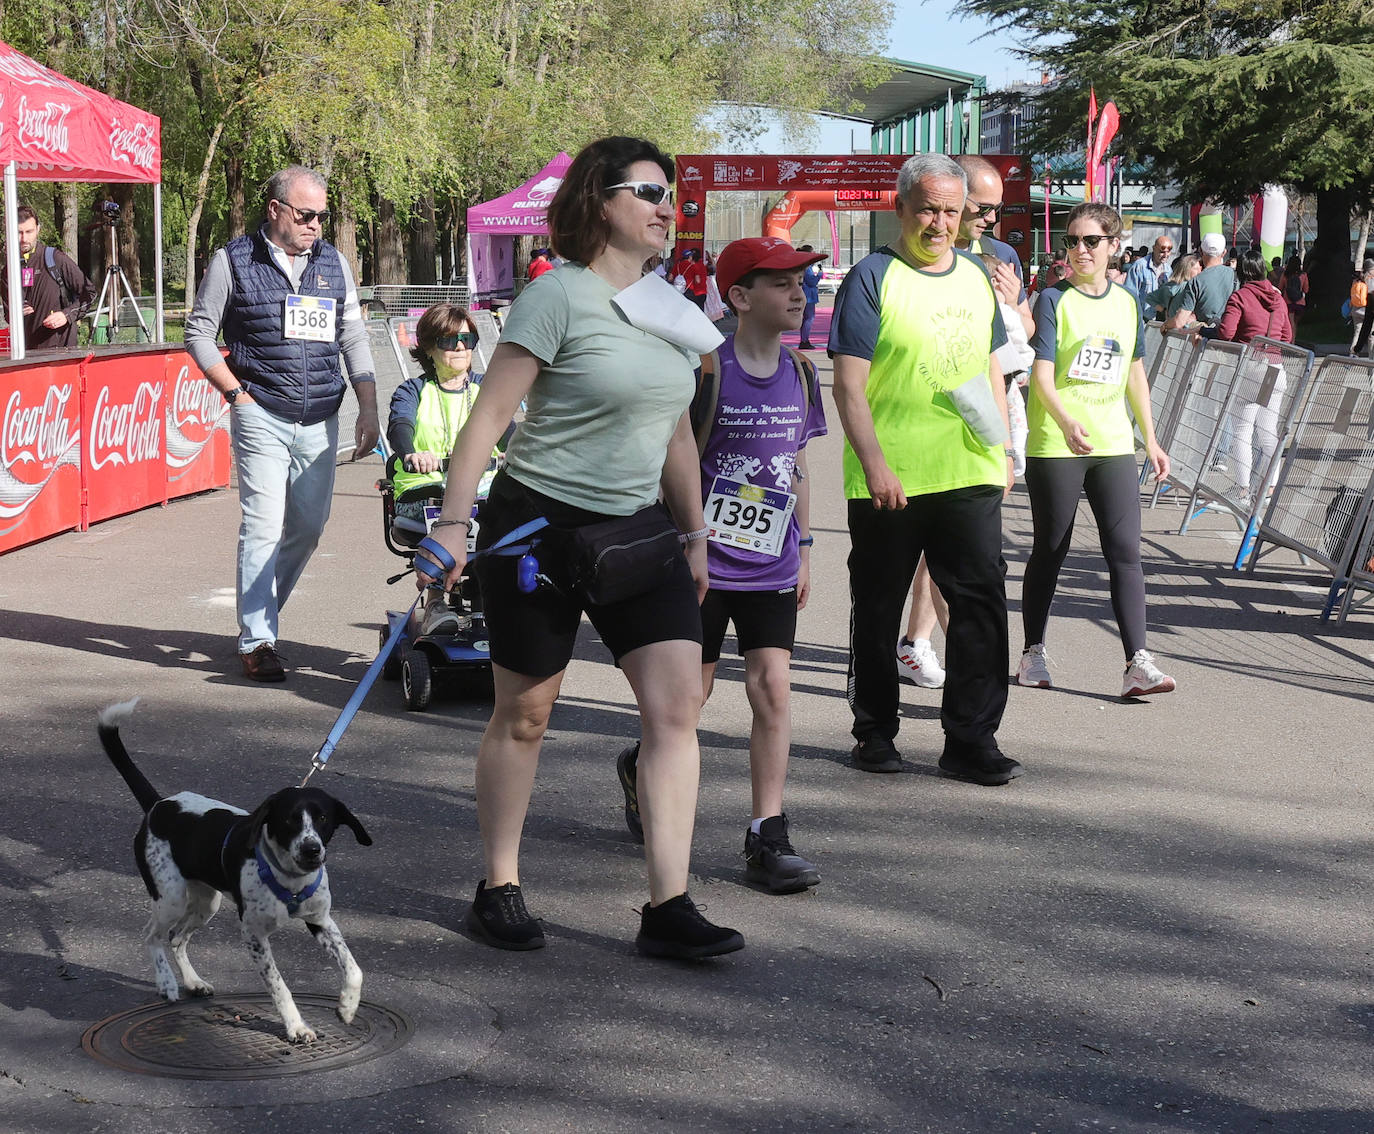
point(927, 462)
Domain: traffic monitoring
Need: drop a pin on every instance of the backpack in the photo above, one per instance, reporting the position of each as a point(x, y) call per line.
point(708, 392)
point(64, 296)
point(1293, 288)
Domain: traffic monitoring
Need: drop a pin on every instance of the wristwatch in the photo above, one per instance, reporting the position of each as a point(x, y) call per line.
point(231, 396)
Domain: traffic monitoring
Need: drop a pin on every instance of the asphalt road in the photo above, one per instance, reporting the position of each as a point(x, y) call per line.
point(1162, 926)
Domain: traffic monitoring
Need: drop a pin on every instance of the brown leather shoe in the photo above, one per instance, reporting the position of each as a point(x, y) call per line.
point(263, 664)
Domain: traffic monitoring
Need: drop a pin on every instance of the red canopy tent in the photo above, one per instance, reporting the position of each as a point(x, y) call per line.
point(54, 129)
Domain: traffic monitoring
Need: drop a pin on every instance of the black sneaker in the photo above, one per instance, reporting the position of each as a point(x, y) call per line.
point(986, 766)
point(677, 929)
point(771, 859)
point(626, 766)
point(499, 918)
point(876, 754)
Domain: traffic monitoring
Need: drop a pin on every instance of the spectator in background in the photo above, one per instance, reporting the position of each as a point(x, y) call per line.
point(1157, 302)
point(56, 292)
point(1203, 298)
point(811, 288)
point(693, 273)
point(1256, 310)
point(1359, 312)
point(1149, 272)
point(1294, 288)
point(539, 264)
point(1276, 271)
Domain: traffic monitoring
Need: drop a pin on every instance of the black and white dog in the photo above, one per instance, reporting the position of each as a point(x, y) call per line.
point(191, 849)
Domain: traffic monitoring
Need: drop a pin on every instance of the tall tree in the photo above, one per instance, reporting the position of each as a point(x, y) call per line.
point(1223, 96)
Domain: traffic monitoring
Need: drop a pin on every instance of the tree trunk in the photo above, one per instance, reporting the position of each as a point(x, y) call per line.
point(233, 183)
point(127, 232)
point(391, 260)
point(193, 221)
point(346, 236)
point(1363, 242)
point(1328, 265)
point(423, 238)
point(446, 248)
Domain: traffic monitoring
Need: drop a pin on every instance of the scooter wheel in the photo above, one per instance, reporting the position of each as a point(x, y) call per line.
point(417, 680)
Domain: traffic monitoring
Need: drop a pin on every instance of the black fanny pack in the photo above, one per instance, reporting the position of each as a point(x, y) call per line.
point(618, 559)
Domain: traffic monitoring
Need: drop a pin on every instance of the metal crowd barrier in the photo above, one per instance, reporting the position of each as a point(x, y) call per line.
point(1172, 361)
point(1324, 491)
point(1192, 431)
point(403, 299)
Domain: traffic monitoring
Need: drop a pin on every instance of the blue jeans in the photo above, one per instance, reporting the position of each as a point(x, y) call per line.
point(286, 485)
point(808, 317)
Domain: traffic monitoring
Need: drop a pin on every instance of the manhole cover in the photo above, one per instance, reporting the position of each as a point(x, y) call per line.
point(240, 1037)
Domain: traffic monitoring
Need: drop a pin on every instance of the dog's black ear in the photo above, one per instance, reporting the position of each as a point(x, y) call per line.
point(254, 823)
point(343, 815)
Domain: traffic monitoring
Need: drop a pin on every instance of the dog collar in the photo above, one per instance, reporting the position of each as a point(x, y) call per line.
point(291, 901)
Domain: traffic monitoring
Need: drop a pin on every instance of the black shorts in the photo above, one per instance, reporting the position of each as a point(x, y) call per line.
point(534, 634)
point(761, 618)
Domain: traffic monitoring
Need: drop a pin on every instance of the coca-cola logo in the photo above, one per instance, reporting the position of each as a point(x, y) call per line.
point(44, 127)
point(132, 143)
point(195, 411)
point(127, 433)
point(39, 434)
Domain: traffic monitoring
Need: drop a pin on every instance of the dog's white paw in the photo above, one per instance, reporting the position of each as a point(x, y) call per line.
point(347, 1011)
point(203, 988)
point(300, 1034)
point(166, 993)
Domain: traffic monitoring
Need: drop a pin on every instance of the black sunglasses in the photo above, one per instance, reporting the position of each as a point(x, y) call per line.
point(650, 191)
point(305, 216)
point(1088, 242)
point(468, 339)
point(983, 212)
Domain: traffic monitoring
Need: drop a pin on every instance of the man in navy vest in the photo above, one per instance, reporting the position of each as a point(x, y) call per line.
point(286, 302)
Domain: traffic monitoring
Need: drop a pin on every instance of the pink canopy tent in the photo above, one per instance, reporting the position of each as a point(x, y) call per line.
point(53, 129)
point(494, 225)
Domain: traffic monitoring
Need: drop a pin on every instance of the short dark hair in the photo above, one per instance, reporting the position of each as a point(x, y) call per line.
point(440, 320)
point(578, 229)
point(1252, 267)
point(26, 214)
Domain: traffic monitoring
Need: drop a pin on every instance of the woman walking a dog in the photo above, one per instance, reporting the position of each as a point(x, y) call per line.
point(605, 427)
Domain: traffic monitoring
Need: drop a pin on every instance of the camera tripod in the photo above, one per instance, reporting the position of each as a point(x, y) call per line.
point(113, 291)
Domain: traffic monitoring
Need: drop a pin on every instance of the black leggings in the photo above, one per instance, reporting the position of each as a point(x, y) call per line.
point(1112, 485)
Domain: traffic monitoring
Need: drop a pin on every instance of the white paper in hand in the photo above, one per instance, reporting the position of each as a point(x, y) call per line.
point(654, 305)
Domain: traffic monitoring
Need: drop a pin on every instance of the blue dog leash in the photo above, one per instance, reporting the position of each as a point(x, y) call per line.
point(436, 562)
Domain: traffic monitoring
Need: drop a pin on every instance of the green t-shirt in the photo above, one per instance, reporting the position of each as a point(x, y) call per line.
point(607, 399)
point(1092, 341)
point(923, 333)
point(1205, 295)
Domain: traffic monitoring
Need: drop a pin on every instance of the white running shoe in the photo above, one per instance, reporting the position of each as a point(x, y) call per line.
point(1034, 669)
point(1143, 677)
point(917, 661)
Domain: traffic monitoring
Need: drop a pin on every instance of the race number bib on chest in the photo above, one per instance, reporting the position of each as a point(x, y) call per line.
point(1098, 360)
point(748, 516)
point(309, 317)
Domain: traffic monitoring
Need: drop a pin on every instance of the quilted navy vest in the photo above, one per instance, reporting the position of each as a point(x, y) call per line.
point(296, 379)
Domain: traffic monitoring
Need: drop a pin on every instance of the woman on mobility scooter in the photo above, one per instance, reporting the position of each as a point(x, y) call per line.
point(427, 412)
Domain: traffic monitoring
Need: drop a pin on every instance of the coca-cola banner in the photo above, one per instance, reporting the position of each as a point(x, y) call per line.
point(60, 130)
point(40, 452)
point(197, 442)
point(84, 440)
point(122, 434)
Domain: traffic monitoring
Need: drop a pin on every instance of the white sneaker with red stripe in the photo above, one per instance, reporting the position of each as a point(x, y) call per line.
point(917, 661)
point(1143, 677)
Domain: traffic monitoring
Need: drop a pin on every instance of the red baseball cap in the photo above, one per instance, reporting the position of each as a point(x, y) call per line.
point(771, 253)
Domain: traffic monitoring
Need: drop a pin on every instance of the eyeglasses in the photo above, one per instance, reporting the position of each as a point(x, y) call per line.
point(986, 212)
point(305, 216)
point(650, 191)
point(466, 339)
point(1088, 242)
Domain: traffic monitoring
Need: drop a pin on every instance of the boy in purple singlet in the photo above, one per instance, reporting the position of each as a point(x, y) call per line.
point(757, 405)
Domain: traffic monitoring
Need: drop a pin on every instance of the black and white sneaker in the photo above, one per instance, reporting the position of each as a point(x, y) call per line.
point(499, 918)
point(626, 766)
point(677, 929)
point(771, 860)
